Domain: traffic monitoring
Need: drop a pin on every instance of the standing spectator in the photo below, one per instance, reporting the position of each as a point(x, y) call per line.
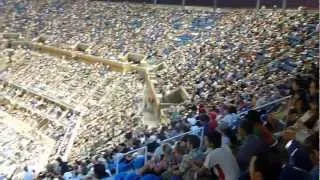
point(225, 140)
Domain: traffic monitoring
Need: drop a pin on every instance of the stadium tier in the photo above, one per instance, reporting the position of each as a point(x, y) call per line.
point(133, 91)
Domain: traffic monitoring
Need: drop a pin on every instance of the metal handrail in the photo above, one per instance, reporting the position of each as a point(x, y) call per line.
point(265, 105)
point(145, 148)
point(180, 135)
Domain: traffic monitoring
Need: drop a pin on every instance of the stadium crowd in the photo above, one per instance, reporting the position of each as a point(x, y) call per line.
point(229, 62)
point(66, 92)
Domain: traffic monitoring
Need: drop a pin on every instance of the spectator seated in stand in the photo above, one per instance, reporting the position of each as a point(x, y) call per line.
point(251, 145)
point(219, 162)
point(265, 166)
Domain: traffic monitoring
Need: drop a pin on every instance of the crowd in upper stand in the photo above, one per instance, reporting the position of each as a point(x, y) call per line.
point(175, 37)
point(229, 62)
point(66, 91)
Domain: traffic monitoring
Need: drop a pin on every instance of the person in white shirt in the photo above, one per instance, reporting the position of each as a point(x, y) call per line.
point(219, 160)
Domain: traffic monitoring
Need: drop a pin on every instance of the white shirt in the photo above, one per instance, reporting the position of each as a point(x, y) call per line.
point(230, 118)
point(223, 162)
point(195, 130)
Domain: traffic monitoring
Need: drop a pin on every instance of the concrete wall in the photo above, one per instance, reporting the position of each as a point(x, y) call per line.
point(10, 36)
point(176, 96)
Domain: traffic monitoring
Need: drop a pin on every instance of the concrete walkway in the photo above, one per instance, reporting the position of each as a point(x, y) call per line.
point(149, 117)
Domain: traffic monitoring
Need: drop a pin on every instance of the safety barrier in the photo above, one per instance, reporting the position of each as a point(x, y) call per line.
point(199, 132)
point(209, 4)
point(144, 153)
point(265, 105)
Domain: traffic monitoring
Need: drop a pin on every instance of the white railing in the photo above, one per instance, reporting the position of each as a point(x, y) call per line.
point(74, 133)
point(143, 149)
point(199, 132)
point(265, 105)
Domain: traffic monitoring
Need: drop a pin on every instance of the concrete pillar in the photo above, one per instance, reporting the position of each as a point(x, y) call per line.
point(284, 4)
point(215, 5)
point(258, 4)
point(154, 1)
point(183, 3)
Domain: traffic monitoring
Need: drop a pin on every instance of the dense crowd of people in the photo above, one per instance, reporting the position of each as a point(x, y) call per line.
point(229, 62)
point(18, 148)
point(64, 92)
